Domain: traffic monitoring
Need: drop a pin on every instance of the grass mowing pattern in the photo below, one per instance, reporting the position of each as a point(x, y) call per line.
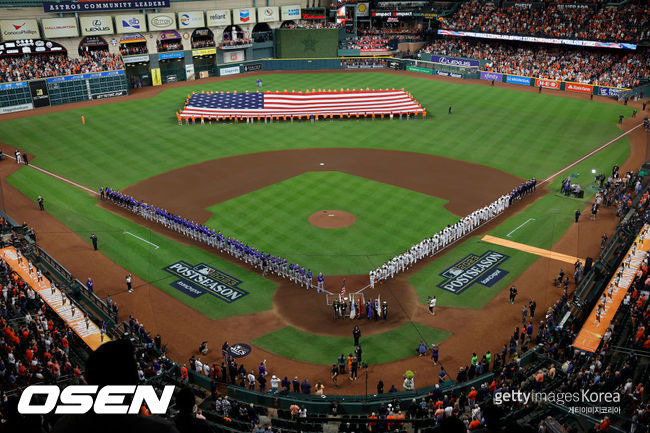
point(519, 132)
point(394, 345)
point(79, 211)
point(389, 220)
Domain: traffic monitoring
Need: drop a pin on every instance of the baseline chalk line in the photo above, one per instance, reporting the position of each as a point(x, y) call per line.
point(143, 240)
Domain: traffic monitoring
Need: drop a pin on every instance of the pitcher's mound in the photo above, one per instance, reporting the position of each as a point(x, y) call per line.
point(332, 219)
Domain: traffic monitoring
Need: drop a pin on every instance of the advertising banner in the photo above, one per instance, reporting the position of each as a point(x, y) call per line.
point(601, 316)
point(609, 91)
point(419, 69)
point(517, 79)
point(269, 14)
point(85, 76)
point(234, 56)
point(189, 72)
point(40, 95)
point(253, 67)
point(96, 25)
point(174, 55)
point(13, 85)
point(556, 41)
point(491, 76)
point(106, 95)
point(156, 79)
point(229, 71)
point(14, 108)
point(363, 9)
point(218, 17)
point(136, 59)
point(243, 16)
point(97, 6)
point(60, 27)
point(158, 21)
point(89, 333)
point(453, 61)
point(548, 84)
point(291, 12)
point(19, 29)
point(191, 20)
point(204, 52)
point(130, 23)
point(581, 88)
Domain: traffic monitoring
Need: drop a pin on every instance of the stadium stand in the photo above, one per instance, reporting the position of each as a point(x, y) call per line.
point(589, 66)
point(580, 20)
point(37, 347)
point(18, 68)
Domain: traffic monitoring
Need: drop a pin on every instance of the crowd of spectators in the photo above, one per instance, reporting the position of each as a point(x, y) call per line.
point(626, 23)
point(589, 66)
point(131, 49)
point(21, 68)
point(202, 43)
point(370, 42)
point(170, 45)
point(35, 343)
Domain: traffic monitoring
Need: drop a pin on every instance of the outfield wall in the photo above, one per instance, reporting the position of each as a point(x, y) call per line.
point(26, 95)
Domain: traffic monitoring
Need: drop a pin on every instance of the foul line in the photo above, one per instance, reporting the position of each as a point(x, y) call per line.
point(573, 164)
point(143, 240)
point(49, 173)
point(520, 226)
point(532, 250)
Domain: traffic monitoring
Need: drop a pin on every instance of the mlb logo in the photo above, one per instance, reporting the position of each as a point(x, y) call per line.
point(452, 272)
point(204, 269)
point(244, 15)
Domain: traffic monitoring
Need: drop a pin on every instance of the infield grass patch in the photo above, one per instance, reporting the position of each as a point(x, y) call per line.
point(389, 220)
point(394, 345)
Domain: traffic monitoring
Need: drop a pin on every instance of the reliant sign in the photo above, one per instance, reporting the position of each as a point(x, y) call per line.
point(218, 17)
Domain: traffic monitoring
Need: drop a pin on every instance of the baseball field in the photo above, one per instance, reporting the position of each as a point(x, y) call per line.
point(402, 180)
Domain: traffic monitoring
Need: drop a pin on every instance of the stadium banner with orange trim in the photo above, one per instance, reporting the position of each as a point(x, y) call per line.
point(592, 331)
point(579, 87)
point(90, 334)
point(549, 84)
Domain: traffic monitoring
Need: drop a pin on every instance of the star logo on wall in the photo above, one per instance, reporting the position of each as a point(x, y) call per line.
point(309, 43)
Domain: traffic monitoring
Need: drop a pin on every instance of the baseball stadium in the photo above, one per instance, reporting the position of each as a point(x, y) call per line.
point(303, 216)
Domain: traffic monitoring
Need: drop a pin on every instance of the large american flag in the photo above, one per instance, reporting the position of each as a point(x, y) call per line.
point(281, 104)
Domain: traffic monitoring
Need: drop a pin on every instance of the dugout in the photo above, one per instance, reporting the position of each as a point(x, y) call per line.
point(137, 70)
point(172, 66)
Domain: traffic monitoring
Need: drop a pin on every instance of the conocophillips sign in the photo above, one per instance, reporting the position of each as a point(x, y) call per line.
point(96, 25)
point(19, 29)
point(161, 21)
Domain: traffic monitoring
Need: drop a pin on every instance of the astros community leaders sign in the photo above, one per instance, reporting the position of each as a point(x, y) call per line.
point(474, 269)
point(93, 6)
point(201, 279)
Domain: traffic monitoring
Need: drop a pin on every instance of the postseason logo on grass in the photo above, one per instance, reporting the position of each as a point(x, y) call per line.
point(197, 280)
point(474, 269)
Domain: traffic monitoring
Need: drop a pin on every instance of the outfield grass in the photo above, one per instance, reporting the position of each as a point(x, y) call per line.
point(79, 211)
point(394, 345)
point(276, 218)
point(553, 214)
point(519, 132)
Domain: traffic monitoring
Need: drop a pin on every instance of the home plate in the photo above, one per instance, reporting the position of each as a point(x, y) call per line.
point(331, 214)
point(322, 163)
